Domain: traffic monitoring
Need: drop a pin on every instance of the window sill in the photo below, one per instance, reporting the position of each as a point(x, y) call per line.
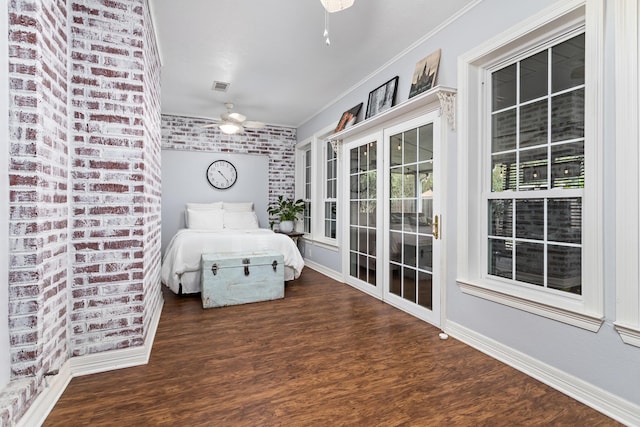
point(331, 245)
point(585, 321)
point(629, 335)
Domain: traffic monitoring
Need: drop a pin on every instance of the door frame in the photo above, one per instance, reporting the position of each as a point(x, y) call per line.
point(437, 101)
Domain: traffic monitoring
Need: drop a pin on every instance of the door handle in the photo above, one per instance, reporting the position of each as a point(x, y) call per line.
point(436, 227)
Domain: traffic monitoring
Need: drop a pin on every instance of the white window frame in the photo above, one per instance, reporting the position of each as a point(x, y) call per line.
point(325, 197)
point(317, 144)
point(585, 311)
point(627, 94)
point(302, 148)
point(319, 185)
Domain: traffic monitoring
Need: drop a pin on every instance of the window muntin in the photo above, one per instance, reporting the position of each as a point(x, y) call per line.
point(537, 170)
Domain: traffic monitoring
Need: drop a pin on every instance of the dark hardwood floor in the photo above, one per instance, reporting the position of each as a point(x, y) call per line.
point(325, 355)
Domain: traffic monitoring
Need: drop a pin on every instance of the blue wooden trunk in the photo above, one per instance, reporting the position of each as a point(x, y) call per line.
point(230, 278)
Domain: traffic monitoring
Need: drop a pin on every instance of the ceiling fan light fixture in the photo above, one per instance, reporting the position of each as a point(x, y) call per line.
point(336, 5)
point(229, 128)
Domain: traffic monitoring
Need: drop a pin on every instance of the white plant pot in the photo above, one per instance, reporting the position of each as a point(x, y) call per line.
point(286, 226)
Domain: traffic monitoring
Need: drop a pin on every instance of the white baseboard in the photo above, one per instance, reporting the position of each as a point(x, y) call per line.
point(118, 359)
point(609, 404)
point(89, 364)
point(324, 270)
point(44, 403)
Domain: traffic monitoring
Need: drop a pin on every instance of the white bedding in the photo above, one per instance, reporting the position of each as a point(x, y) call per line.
point(181, 261)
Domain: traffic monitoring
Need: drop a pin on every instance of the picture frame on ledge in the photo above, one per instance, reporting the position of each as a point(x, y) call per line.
point(348, 118)
point(425, 74)
point(382, 98)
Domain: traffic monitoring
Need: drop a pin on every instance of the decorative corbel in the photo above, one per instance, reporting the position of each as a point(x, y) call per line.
point(448, 107)
point(335, 143)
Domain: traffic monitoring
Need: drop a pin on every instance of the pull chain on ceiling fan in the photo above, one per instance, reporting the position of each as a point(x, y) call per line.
point(331, 6)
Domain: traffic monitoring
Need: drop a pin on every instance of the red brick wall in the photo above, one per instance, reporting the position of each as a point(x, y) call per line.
point(186, 133)
point(84, 185)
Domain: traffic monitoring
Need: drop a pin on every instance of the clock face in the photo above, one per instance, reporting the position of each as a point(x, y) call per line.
point(221, 174)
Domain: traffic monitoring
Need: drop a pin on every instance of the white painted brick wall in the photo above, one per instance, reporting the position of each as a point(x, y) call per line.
point(186, 133)
point(84, 185)
point(116, 196)
point(107, 173)
point(38, 173)
point(152, 172)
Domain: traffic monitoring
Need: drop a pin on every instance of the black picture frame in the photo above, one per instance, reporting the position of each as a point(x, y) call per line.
point(382, 98)
point(348, 118)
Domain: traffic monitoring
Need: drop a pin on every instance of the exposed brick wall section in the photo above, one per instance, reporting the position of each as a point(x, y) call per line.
point(38, 174)
point(114, 161)
point(84, 185)
point(152, 172)
point(186, 133)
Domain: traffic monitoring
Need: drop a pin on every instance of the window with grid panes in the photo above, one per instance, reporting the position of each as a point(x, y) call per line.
point(306, 215)
point(537, 175)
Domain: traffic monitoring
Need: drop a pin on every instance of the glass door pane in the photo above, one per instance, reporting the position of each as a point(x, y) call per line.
point(411, 213)
point(362, 212)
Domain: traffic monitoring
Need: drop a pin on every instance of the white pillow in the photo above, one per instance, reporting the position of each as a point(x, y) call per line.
point(203, 219)
point(216, 205)
point(238, 206)
point(240, 220)
point(200, 206)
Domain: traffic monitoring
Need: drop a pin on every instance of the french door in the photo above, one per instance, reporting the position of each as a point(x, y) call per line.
point(411, 217)
point(393, 216)
point(365, 219)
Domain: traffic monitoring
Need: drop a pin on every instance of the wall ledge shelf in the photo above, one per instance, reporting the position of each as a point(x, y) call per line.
point(444, 95)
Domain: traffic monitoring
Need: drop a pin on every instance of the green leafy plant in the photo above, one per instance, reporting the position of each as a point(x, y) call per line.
point(286, 209)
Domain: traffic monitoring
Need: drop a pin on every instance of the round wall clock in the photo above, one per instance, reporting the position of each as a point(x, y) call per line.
point(221, 174)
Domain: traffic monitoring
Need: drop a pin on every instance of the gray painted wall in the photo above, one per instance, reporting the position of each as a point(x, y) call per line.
point(184, 181)
point(601, 358)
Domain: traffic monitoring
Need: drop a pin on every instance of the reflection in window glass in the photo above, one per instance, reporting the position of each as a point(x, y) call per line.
point(568, 64)
point(567, 116)
point(503, 132)
point(412, 186)
point(362, 212)
point(537, 147)
point(504, 86)
point(533, 124)
point(533, 76)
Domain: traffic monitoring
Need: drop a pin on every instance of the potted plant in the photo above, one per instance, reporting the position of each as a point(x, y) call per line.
point(287, 210)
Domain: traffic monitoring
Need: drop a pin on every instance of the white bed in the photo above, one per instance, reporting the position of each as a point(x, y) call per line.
point(206, 234)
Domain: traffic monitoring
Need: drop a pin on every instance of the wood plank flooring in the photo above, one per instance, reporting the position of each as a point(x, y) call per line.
point(325, 355)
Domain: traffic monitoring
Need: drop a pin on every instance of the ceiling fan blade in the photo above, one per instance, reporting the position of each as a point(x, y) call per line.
point(250, 124)
point(237, 117)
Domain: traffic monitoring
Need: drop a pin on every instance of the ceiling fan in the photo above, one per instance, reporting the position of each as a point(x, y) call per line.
point(231, 123)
